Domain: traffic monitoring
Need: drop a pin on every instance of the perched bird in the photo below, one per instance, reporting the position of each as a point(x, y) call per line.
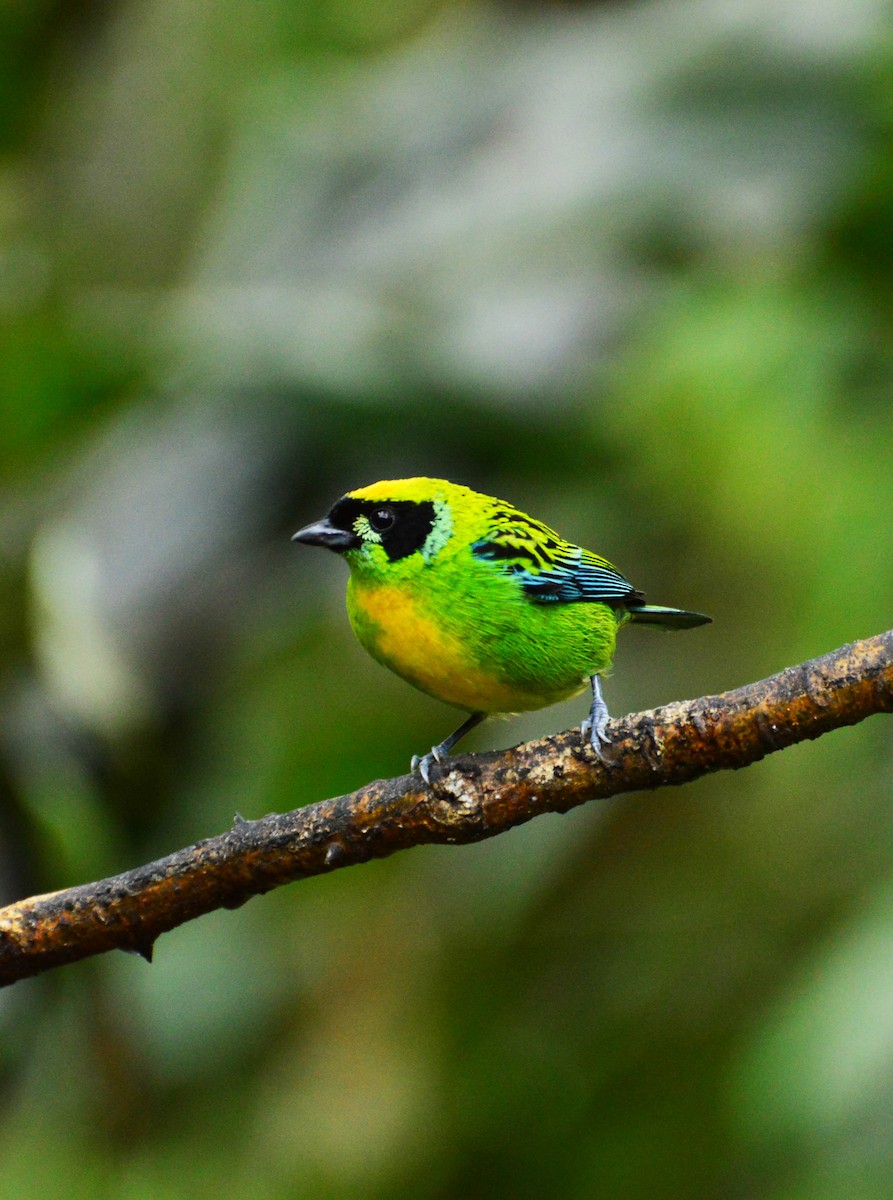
point(475, 603)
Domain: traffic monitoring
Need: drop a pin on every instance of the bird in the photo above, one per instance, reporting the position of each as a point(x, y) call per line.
point(472, 601)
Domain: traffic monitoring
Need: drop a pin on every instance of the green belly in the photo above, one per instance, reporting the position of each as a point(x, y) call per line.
point(495, 652)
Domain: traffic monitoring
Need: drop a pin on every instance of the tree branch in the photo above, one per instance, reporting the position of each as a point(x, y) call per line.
point(478, 796)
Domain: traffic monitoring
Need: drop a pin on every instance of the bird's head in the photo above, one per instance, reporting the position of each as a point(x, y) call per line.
point(396, 527)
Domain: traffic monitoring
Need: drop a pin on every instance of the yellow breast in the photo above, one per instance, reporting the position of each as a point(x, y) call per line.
point(395, 628)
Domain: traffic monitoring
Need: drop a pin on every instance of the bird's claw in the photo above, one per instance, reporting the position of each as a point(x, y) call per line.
point(594, 728)
point(422, 764)
point(596, 736)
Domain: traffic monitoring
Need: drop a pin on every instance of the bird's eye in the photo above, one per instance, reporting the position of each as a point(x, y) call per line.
point(382, 519)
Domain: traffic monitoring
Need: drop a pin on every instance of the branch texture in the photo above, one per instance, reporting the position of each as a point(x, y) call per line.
point(478, 796)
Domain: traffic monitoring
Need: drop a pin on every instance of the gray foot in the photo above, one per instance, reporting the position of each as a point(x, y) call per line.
point(422, 764)
point(595, 726)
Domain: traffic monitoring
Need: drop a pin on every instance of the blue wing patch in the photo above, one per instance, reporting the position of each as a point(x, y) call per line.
point(578, 578)
point(551, 571)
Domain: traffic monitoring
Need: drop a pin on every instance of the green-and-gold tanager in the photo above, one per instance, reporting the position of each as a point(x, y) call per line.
point(475, 603)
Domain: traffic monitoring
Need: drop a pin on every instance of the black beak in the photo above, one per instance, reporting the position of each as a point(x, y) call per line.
point(323, 533)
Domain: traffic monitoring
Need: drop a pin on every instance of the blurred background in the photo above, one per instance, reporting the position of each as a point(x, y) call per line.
point(626, 264)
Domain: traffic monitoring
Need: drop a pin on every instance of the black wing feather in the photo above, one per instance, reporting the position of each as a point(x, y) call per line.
point(549, 569)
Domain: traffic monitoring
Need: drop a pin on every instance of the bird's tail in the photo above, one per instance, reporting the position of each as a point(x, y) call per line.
point(666, 618)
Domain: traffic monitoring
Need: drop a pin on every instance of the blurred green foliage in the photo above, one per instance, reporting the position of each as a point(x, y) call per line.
point(627, 265)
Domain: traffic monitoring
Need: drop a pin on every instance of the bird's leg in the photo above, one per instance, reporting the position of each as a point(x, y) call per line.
point(594, 725)
point(440, 752)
